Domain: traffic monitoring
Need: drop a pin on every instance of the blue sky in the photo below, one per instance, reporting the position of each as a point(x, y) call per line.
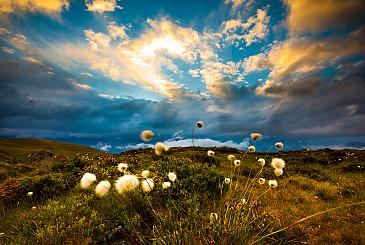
point(98, 72)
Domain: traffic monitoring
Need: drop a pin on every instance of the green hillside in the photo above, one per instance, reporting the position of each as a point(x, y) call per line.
point(60, 212)
point(18, 149)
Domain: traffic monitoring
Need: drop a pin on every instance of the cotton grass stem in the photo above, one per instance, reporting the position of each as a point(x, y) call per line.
point(309, 217)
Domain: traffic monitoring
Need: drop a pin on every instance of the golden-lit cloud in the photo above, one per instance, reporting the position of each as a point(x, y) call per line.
point(116, 31)
point(97, 40)
point(44, 6)
point(142, 60)
point(101, 6)
point(316, 16)
point(299, 57)
point(32, 60)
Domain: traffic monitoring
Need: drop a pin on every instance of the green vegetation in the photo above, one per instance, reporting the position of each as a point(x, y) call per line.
point(60, 212)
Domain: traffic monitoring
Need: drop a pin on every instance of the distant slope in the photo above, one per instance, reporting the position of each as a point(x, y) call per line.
point(20, 148)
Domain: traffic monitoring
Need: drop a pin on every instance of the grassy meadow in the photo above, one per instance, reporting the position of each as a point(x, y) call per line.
point(212, 201)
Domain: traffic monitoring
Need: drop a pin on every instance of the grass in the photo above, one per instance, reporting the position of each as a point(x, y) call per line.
point(60, 212)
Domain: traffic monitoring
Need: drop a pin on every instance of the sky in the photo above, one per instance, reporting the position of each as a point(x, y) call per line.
point(98, 72)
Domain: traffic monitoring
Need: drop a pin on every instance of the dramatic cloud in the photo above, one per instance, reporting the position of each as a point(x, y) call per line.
point(101, 6)
point(20, 6)
point(297, 57)
point(317, 16)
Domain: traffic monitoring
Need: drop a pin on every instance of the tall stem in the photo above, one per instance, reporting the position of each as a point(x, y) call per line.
point(192, 135)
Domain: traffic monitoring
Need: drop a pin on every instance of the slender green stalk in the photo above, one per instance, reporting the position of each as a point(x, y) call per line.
point(309, 217)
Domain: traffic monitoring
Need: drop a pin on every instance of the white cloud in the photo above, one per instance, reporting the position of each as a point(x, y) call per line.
point(254, 29)
point(102, 146)
point(101, 6)
point(83, 86)
point(207, 143)
point(178, 142)
point(8, 50)
point(107, 96)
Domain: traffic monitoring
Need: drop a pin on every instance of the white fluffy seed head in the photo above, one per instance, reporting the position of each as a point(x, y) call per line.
point(256, 136)
point(122, 167)
point(261, 162)
point(126, 183)
point(147, 135)
point(261, 181)
point(278, 171)
point(145, 173)
point(166, 185)
point(251, 148)
point(147, 185)
point(279, 145)
point(231, 158)
point(237, 163)
point(213, 218)
point(160, 147)
point(273, 183)
point(243, 200)
point(199, 124)
point(102, 188)
point(227, 181)
point(278, 163)
point(87, 180)
point(210, 153)
point(172, 176)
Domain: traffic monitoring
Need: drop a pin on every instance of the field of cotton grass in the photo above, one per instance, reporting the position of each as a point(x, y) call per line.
point(190, 196)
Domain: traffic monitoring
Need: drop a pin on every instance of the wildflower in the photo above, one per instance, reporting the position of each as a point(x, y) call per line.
point(126, 183)
point(147, 135)
point(278, 171)
point(251, 148)
point(29, 194)
point(122, 167)
point(172, 176)
point(87, 180)
point(166, 185)
point(102, 188)
point(237, 163)
point(147, 185)
point(231, 158)
point(213, 218)
point(200, 124)
point(256, 136)
point(279, 145)
point(210, 153)
point(273, 183)
point(261, 181)
point(261, 162)
point(34, 207)
point(278, 163)
point(2, 234)
point(145, 173)
point(227, 181)
point(160, 147)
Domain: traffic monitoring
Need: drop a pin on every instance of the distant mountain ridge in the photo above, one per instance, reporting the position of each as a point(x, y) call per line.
point(355, 144)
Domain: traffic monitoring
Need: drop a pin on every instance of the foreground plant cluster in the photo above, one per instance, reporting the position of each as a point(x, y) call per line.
point(159, 196)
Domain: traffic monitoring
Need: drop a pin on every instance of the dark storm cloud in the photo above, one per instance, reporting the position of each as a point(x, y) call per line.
point(323, 105)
